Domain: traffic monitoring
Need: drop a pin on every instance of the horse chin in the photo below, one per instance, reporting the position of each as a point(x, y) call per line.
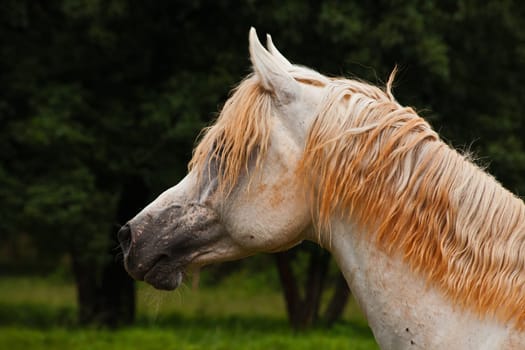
point(162, 276)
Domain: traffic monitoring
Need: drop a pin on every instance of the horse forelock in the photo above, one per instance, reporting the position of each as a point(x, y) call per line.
point(372, 161)
point(239, 135)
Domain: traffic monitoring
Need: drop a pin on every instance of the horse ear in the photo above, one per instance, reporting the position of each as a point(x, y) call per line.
point(276, 54)
point(271, 70)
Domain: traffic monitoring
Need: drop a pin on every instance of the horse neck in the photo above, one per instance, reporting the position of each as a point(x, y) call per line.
point(402, 310)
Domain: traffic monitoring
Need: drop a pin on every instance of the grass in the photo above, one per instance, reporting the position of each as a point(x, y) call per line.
point(39, 313)
point(162, 338)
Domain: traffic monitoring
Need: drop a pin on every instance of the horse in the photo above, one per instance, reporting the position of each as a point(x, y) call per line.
point(431, 246)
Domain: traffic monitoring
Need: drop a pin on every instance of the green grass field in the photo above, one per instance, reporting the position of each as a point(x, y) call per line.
point(38, 313)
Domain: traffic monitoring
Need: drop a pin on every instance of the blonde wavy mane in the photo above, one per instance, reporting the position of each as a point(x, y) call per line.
point(382, 166)
point(369, 160)
point(240, 134)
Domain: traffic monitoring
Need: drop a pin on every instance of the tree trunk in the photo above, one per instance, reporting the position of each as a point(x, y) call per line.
point(106, 295)
point(318, 266)
point(303, 311)
point(290, 288)
point(337, 304)
point(86, 289)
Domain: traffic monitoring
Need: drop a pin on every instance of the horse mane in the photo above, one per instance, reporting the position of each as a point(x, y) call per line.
point(239, 136)
point(380, 165)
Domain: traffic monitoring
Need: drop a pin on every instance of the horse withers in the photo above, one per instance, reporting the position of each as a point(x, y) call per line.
point(432, 247)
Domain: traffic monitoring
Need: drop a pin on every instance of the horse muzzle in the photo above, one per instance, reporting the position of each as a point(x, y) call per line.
point(158, 245)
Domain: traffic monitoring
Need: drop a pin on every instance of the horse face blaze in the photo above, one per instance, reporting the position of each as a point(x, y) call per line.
point(159, 245)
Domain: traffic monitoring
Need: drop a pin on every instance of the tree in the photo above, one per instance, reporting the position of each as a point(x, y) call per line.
point(78, 132)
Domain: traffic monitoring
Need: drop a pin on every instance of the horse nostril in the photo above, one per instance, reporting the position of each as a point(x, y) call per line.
point(124, 237)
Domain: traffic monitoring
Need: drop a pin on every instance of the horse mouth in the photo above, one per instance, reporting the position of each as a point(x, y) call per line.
point(163, 275)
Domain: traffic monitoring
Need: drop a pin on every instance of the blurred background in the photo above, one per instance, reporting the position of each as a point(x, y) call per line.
point(100, 106)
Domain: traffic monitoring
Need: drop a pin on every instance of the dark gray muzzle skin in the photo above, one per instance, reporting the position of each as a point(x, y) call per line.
point(158, 245)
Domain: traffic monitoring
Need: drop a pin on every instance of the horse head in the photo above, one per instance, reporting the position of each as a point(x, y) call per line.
point(244, 193)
